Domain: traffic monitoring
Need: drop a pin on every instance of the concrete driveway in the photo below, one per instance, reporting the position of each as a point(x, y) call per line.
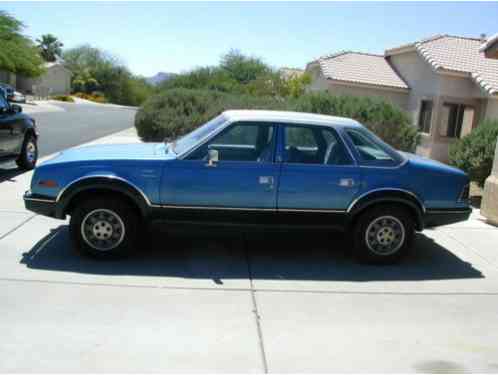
point(276, 303)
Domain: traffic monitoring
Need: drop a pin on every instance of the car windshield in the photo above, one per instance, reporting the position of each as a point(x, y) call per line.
point(191, 139)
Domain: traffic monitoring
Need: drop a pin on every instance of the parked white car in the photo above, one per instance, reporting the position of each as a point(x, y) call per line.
point(18, 97)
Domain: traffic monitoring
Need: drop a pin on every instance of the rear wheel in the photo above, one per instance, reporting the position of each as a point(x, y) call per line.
point(29, 153)
point(383, 234)
point(104, 228)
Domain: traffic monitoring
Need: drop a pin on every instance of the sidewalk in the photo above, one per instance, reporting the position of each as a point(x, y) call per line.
point(276, 304)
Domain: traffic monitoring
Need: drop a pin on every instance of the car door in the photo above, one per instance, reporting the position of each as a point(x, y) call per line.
point(8, 131)
point(241, 185)
point(319, 178)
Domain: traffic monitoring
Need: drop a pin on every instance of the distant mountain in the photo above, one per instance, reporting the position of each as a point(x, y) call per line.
point(159, 77)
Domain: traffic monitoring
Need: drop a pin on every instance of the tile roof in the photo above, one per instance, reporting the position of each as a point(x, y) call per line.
point(490, 47)
point(459, 54)
point(491, 41)
point(357, 67)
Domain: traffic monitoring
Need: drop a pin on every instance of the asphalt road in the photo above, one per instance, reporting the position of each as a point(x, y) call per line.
point(79, 124)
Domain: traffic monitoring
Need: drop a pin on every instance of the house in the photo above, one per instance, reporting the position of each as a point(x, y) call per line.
point(55, 81)
point(490, 47)
point(445, 83)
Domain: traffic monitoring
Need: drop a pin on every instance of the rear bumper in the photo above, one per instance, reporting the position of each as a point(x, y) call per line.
point(435, 218)
point(39, 204)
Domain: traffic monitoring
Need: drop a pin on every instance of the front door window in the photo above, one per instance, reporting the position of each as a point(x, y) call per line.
point(249, 142)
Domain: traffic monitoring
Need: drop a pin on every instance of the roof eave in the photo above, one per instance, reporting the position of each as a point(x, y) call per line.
point(399, 50)
point(368, 85)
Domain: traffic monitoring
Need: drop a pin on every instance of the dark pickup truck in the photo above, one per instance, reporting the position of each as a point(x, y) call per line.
point(18, 135)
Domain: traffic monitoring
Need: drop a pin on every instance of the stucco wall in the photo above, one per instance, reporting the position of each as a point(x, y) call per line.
point(8, 78)
point(320, 83)
point(56, 80)
point(492, 109)
point(459, 87)
point(423, 81)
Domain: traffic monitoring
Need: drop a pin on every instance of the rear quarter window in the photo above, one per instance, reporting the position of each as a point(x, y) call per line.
point(370, 150)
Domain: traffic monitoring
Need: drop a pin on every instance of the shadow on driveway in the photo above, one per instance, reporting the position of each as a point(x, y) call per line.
point(278, 256)
point(8, 172)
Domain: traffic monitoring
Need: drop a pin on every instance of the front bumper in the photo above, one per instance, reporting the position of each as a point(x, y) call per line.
point(435, 218)
point(40, 204)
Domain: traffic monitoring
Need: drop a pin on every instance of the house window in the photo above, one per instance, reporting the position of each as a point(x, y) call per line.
point(424, 120)
point(456, 120)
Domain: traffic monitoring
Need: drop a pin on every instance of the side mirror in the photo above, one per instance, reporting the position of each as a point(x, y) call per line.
point(213, 157)
point(14, 108)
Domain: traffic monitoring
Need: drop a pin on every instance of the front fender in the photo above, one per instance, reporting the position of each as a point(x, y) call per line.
point(110, 183)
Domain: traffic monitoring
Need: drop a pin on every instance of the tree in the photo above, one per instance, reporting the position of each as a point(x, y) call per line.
point(50, 47)
point(18, 54)
point(94, 69)
point(241, 68)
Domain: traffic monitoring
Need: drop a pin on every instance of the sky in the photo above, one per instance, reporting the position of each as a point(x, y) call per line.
point(174, 37)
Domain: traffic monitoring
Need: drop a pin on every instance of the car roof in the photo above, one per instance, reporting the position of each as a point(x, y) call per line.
point(290, 117)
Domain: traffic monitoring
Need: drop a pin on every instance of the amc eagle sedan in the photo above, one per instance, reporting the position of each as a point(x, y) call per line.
point(254, 169)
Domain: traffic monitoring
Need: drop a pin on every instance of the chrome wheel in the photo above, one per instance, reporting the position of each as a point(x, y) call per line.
point(102, 229)
point(385, 235)
point(31, 152)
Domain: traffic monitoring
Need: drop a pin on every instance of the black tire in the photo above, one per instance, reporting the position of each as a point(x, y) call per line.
point(29, 153)
point(100, 217)
point(383, 234)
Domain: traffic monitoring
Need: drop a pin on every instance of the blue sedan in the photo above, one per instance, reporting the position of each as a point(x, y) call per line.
point(253, 169)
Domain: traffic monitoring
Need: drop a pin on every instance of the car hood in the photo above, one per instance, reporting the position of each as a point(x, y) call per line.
point(430, 164)
point(135, 151)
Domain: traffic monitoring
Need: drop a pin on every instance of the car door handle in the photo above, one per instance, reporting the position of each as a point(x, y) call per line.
point(346, 182)
point(266, 180)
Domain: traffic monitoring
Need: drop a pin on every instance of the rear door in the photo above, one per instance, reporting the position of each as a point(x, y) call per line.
point(318, 179)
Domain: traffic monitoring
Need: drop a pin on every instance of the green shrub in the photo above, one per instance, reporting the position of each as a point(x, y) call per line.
point(474, 153)
point(175, 112)
point(96, 97)
point(63, 98)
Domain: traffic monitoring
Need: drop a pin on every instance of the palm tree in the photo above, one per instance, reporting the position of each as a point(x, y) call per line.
point(50, 47)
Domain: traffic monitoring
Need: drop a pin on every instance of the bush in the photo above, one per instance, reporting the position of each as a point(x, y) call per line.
point(63, 98)
point(94, 97)
point(175, 112)
point(474, 153)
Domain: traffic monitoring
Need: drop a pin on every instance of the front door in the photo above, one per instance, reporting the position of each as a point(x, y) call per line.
point(318, 179)
point(241, 185)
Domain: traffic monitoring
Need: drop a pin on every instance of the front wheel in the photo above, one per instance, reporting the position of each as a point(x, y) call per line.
point(29, 153)
point(104, 228)
point(383, 234)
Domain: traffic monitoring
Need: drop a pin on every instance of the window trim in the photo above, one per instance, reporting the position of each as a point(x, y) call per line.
point(422, 130)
